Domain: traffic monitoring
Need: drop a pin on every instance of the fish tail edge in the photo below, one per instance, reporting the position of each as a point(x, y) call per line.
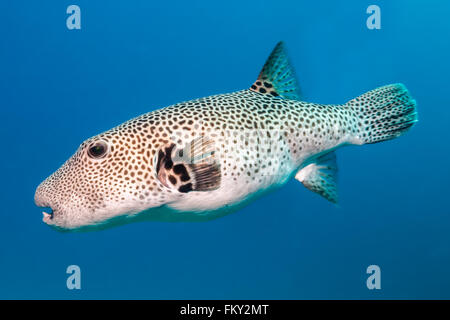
point(383, 114)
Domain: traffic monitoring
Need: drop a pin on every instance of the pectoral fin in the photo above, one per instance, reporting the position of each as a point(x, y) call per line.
point(192, 168)
point(321, 176)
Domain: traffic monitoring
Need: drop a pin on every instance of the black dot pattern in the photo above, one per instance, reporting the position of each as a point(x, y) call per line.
point(259, 140)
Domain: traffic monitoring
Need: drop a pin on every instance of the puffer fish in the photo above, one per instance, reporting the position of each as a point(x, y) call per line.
point(204, 158)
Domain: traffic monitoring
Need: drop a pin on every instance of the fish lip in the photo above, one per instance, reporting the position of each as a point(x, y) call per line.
point(48, 214)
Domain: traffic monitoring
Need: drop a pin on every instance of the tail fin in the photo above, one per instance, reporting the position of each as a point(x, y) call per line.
point(384, 113)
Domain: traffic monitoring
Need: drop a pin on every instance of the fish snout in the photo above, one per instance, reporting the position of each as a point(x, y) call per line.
point(43, 200)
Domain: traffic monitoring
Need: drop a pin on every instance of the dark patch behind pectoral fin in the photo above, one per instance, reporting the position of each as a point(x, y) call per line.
point(192, 168)
point(164, 165)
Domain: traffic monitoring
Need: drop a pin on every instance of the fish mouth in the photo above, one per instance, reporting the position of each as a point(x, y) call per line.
point(47, 214)
point(43, 200)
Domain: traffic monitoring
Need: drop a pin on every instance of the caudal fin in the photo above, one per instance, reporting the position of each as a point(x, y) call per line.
point(384, 113)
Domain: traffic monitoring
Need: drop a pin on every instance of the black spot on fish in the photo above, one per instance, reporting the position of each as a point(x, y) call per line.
point(185, 188)
point(168, 164)
point(180, 170)
point(172, 179)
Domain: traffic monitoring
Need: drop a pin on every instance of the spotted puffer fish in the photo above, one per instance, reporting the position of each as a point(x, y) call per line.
point(204, 158)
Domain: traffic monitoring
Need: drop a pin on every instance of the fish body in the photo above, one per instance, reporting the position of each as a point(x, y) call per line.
point(200, 159)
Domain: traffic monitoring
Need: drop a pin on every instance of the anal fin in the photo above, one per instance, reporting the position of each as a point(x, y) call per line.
point(321, 176)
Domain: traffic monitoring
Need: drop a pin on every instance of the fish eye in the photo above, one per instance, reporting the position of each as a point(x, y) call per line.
point(98, 150)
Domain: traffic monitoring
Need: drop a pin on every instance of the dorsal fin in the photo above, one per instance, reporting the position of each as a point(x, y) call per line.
point(277, 77)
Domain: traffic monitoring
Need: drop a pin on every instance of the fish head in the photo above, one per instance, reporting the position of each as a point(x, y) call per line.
point(110, 175)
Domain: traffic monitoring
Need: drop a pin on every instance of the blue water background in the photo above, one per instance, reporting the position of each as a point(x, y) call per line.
point(59, 87)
